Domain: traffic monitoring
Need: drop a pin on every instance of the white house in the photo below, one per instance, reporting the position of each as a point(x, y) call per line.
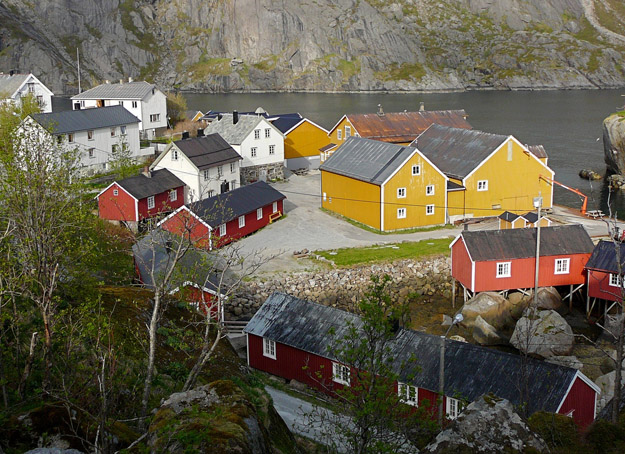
point(207, 165)
point(260, 144)
point(95, 132)
point(141, 99)
point(14, 86)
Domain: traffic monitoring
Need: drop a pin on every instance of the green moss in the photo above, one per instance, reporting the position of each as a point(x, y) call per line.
point(348, 68)
point(593, 60)
point(267, 64)
point(207, 67)
point(587, 32)
point(93, 31)
point(611, 14)
point(145, 40)
point(405, 71)
point(71, 43)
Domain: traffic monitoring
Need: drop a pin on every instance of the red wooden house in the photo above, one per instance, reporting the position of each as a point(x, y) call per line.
point(140, 197)
point(219, 220)
point(605, 279)
point(289, 337)
point(496, 260)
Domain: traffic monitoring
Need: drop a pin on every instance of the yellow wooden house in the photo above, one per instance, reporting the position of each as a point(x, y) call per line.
point(302, 140)
point(384, 186)
point(488, 173)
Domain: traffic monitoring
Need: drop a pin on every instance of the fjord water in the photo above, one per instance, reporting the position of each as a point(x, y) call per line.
point(567, 123)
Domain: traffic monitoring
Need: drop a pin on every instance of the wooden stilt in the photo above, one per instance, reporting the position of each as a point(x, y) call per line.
point(453, 293)
point(571, 298)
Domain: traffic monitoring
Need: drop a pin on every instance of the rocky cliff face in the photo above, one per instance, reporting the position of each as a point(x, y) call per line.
point(614, 142)
point(318, 45)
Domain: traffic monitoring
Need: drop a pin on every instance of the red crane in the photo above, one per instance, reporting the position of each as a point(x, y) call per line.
point(576, 191)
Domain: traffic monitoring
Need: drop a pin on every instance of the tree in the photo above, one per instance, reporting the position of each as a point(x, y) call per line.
point(176, 108)
point(374, 418)
point(121, 161)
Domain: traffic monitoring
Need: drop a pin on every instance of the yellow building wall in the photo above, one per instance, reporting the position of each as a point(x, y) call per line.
point(416, 199)
point(305, 140)
point(341, 126)
point(455, 200)
point(512, 183)
point(351, 198)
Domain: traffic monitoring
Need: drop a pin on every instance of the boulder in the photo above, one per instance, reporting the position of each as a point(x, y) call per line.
point(568, 361)
point(490, 426)
point(518, 303)
point(543, 333)
point(485, 334)
point(548, 298)
point(606, 385)
point(614, 143)
point(589, 174)
point(492, 307)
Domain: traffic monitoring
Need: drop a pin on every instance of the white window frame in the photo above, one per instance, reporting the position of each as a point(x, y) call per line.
point(339, 134)
point(220, 171)
point(173, 195)
point(453, 408)
point(253, 152)
point(207, 175)
point(91, 152)
point(429, 189)
point(615, 280)
point(267, 133)
point(174, 155)
point(241, 221)
point(272, 149)
point(416, 170)
point(401, 213)
point(562, 266)
point(269, 348)
point(341, 374)
point(256, 134)
point(348, 132)
point(134, 104)
point(211, 193)
point(232, 167)
point(115, 192)
point(401, 193)
point(408, 394)
point(325, 196)
point(70, 137)
point(259, 213)
point(482, 185)
point(222, 230)
point(504, 269)
point(90, 134)
point(151, 202)
point(274, 207)
point(113, 132)
point(122, 130)
point(429, 210)
point(155, 117)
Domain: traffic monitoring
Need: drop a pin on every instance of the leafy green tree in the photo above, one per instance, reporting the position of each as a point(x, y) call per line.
point(176, 108)
point(121, 161)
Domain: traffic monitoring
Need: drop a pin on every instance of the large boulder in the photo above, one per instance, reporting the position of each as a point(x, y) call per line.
point(548, 299)
point(488, 425)
point(606, 385)
point(543, 334)
point(491, 307)
point(485, 334)
point(518, 303)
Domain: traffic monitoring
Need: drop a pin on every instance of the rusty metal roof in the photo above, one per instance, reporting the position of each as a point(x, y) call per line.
point(403, 127)
point(509, 244)
point(537, 150)
point(603, 257)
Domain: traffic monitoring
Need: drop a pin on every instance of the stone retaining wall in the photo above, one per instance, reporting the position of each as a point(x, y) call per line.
point(345, 287)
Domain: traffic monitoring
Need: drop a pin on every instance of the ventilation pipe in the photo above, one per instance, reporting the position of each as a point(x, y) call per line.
point(235, 117)
point(380, 110)
point(421, 106)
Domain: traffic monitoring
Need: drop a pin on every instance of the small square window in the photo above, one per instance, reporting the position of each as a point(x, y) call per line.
point(408, 394)
point(562, 266)
point(256, 133)
point(503, 269)
point(241, 221)
point(211, 193)
point(341, 374)
point(401, 193)
point(253, 152)
point(267, 133)
point(615, 280)
point(429, 209)
point(150, 202)
point(115, 192)
point(155, 117)
point(122, 130)
point(416, 170)
point(134, 104)
point(272, 149)
point(429, 189)
point(269, 348)
point(222, 230)
point(482, 185)
point(348, 132)
point(259, 214)
point(90, 134)
point(401, 213)
point(173, 195)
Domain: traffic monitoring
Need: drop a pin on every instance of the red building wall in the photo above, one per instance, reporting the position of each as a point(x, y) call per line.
point(599, 286)
point(206, 301)
point(184, 224)
point(116, 208)
point(162, 204)
point(581, 399)
point(461, 263)
point(233, 232)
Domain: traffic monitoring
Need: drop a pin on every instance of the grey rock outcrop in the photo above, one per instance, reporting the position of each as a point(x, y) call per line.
point(485, 334)
point(544, 334)
point(548, 299)
point(614, 143)
point(492, 308)
point(488, 425)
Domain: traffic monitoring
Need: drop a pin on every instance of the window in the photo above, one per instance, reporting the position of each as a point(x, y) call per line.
point(115, 148)
point(272, 149)
point(340, 374)
point(259, 213)
point(453, 408)
point(113, 132)
point(122, 130)
point(174, 155)
point(220, 171)
point(134, 104)
point(222, 230)
point(115, 192)
point(269, 348)
point(503, 269)
point(257, 133)
point(91, 152)
point(615, 280)
point(241, 221)
point(90, 134)
point(82, 104)
point(429, 209)
point(206, 175)
point(173, 195)
point(339, 134)
point(253, 152)
point(562, 266)
point(416, 170)
point(40, 100)
point(150, 202)
point(407, 394)
point(267, 133)
point(401, 193)
point(70, 138)
point(325, 196)
point(401, 213)
point(155, 117)
point(482, 185)
point(59, 139)
point(429, 189)
point(275, 207)
point(232, 167)
point(211, 193)
point(348, 132)
point(31, 87)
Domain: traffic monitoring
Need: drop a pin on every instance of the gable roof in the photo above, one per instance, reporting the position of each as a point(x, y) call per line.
point(537, 150)
point(508, 244)
point(367, 160)
point(127, 90)
point(230, 205)
point(457, 151)
point(207, 151)
point(285, 122)
point(603, 257)
point(141, 186)
point(403, 127)
point(84, 120)
point(234, 133)
point(508, 216)
point(10, 84)
point(470, 370)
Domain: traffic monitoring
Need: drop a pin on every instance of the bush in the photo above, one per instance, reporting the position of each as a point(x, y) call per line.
point(559, 432)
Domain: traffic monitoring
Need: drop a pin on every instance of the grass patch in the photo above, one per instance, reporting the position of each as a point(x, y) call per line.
point(405, 71)
point(345, 257)
point(587, 32)
point(210, 67)
point(267, 64)
point(348, 68)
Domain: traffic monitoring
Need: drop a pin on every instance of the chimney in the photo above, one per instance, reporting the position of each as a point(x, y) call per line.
point(121, 81)
point(200, 132)
point(235, 117)
point(219, 116)
point(11, 72)
point(185, 135)
point(129, 79)
point(380, 110)
point(146, 172)
point(421, 106)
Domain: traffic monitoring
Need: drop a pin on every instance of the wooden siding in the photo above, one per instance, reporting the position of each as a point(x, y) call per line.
point(581, 401)
point(205, 300)
point(518, 223)
point(461, 265)
point(599, 286)
point(304, 141)
point(351, 198)
point(116, 208)
point(455, 205)
point(162, 204)
point(184, 224)
point(340, 126)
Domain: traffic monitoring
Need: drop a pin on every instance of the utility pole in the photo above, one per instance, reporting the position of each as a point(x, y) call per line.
point(458, 318)
point(78, 60)
point(538, 202)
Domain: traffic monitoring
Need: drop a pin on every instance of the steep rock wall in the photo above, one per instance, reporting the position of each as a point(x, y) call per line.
point(614, 142)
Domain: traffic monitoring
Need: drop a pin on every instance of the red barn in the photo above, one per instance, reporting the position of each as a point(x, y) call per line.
point(289, 337)
point(140, 197)
point(219, 220)
point(605, 279)
point(496, 260)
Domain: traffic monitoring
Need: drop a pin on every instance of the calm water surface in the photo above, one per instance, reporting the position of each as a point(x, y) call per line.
point(567, 123)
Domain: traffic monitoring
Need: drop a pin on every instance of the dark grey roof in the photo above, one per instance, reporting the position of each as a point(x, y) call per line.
point(140, 186)
point(285, 122)
point(85, 119)
point(508, 216)
point(485, 245)
point(470, 370)
point(603, 257)
point(230, 205)
point(208, 151)
point(231, 132)
point(126, 90)
point(530, 217)
point(452, 186)
point(457, 151)
point(367, 160)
